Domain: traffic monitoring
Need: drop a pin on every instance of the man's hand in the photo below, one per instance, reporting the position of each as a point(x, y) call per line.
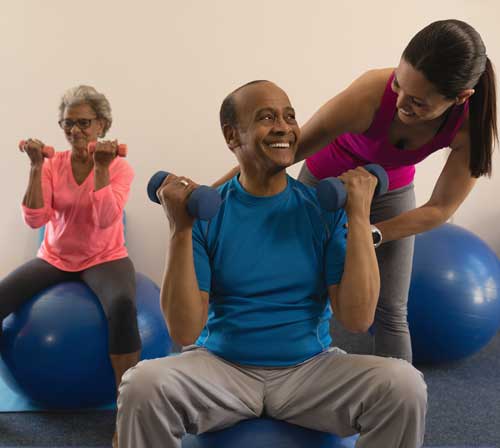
point(173, 195)
point(360, 186)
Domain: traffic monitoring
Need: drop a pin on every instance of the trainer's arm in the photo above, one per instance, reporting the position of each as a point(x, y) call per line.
point(352, 110)
point(452, 187)
point(229, 175)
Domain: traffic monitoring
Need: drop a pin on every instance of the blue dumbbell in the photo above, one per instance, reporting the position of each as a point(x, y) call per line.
point(203, 203)
point(332, 194)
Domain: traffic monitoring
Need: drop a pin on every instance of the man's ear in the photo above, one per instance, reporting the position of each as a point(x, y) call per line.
point(463, 96)
point(231, 136)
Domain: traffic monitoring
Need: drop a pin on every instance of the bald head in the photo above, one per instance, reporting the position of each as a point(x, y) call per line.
point(228, 112)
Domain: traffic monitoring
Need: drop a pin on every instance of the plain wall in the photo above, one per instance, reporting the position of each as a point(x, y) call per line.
point(166, 66)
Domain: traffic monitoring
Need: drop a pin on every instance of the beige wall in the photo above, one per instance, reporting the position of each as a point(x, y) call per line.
point(166, 66)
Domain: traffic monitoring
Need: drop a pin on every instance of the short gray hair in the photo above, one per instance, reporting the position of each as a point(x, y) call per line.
point(88, 95)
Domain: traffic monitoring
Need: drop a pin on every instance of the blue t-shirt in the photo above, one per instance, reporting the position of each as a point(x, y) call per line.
point(266, 263)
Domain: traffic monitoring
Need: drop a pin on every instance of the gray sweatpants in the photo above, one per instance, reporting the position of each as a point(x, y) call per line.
point(384, 399)
point(390, 335)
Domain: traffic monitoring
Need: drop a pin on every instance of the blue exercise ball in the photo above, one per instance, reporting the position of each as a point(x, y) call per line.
point(267, 433)
point(55, 347)
point(454, 299)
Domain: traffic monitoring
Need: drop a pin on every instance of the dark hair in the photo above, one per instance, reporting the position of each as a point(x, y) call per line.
point(452, 56)
point(227, 114)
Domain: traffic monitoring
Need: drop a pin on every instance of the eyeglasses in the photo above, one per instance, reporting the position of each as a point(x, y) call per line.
point(82, 123)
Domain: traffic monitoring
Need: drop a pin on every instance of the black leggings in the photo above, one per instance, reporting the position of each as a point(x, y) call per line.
point(112, 282)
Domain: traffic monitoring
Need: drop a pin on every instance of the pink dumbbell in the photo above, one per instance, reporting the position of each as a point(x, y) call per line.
point(122, 149)
point(47, 151)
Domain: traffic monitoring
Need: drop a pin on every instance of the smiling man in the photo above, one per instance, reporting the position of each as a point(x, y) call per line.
point(250, 295)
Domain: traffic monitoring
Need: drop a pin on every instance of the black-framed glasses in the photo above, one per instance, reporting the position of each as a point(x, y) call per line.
point(82, 123)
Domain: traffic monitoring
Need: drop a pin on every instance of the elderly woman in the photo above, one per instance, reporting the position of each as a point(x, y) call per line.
point(80, 198)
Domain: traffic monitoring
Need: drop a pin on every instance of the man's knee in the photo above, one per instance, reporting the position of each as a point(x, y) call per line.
point(403, 384)
point(145, 384)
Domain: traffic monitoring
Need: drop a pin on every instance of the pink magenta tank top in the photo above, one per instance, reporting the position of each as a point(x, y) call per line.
point(373, 146)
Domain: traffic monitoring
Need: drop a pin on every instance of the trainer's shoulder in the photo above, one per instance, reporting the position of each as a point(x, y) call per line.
point(371, 85)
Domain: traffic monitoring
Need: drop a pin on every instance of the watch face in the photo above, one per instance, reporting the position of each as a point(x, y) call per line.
point(376, 235)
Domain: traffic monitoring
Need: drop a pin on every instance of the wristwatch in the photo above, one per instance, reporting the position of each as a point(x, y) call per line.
point(376, 235)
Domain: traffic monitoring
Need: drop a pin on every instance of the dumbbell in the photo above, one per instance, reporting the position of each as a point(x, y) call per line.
point(332, 194)
point(121, 150)
point(203, 203)
point(47, 151)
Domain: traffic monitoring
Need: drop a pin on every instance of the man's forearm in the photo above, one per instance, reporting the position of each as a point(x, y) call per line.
point(360, 285)
point(182, 304)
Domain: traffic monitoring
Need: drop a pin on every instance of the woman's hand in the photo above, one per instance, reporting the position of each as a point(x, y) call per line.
point(33, 148)
point(105, 152)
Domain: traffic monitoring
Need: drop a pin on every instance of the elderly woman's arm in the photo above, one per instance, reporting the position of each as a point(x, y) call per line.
point(111, 186)
point(36, 205)
point(33, 198)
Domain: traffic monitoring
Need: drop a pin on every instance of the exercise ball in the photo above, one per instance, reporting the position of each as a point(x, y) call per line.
point(55, 351)
point(454, 299)
point(267, 433)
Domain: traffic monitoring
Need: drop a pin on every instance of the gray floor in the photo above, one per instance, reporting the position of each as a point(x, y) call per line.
point(464, 409)
point(464, 400)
